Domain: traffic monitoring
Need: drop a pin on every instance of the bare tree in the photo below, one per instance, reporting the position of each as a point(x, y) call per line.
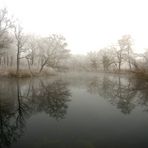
point(31, 52)
point(6, 25)
point(53, 51)
point(32, 49)
point(94, 60)
point(119, 57)
point(20, 41)
point(125, 44)
point(107, 58)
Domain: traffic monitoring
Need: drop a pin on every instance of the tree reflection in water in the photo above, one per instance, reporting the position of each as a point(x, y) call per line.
point(18, 100)
point(124, 93)
point(52, 98)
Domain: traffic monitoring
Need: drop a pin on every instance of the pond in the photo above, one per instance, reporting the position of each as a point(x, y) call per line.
point(74, 111)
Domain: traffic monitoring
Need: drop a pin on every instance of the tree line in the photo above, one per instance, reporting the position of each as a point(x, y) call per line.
point(20, 51)
point(117, 58)
point(26, 54)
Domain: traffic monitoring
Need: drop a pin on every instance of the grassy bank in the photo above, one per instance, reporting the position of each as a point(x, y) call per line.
point(25, 73)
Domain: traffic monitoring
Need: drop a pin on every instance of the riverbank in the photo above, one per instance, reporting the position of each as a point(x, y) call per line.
point(25, 73)
point(10, 73)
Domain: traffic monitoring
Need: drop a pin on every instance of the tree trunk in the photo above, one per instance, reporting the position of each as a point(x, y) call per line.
point(129, 62)
point(0, 61)
point(7, 60)
point(119, 67)
point(43, 64)
point(29, 67)
point(11, 61)
point(18, 61)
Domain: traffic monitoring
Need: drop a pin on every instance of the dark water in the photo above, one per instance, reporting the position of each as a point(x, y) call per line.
point(79, 111)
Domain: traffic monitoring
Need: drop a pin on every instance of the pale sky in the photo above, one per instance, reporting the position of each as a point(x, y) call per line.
point(86, 24)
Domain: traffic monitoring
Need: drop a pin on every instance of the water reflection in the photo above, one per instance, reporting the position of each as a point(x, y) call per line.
point(52, 98)
point(90, 123)
point(124, 92)
point(20, 99)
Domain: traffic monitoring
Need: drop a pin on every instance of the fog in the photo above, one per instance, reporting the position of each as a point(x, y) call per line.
point(24, 54)
point(86, 24)
point(73, 74)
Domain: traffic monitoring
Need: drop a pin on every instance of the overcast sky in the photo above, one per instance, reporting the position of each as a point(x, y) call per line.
point(86, 24)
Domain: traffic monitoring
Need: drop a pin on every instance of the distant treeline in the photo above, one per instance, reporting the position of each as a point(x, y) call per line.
point(23, 54)
point(118, 58)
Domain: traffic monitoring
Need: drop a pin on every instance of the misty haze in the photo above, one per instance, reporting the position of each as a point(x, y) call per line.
point(73, 74)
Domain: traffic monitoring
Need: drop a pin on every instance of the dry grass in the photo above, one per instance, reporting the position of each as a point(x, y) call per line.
point(25, 73)
point(141, 73)
point(12, 73)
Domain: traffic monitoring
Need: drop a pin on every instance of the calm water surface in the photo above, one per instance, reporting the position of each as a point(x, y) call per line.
point(74, 111)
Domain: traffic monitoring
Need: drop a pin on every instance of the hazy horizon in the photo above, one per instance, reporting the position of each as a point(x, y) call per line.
point(86, 24)
point(89, 94)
